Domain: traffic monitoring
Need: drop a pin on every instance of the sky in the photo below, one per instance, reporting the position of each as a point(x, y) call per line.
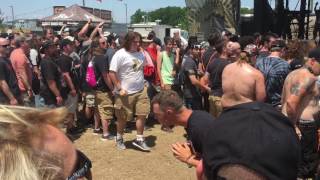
point(42, 8)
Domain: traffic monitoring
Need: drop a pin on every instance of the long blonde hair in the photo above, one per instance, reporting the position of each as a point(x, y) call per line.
point(16, 122)
point(18, 160)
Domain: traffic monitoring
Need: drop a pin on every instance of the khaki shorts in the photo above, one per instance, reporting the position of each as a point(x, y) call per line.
point(104, 105)
point(90, 100)
point(215, 107)
point(134, 104)
point(71, 103)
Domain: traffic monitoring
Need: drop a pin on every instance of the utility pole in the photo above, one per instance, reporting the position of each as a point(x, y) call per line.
point(126, 13)
point(83, 3)
point(12, 13)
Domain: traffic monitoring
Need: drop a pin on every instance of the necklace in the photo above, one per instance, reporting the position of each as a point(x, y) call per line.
point(309, 69)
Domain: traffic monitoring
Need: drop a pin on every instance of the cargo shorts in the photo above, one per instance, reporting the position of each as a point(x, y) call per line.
point(104, 103)
point(215, 107)
point(137, 104)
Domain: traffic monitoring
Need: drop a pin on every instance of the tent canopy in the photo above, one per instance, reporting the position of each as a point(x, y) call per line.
point(73, 13)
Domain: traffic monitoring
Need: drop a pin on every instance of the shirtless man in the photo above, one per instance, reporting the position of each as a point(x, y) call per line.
point(300, 102)
point(242, 83)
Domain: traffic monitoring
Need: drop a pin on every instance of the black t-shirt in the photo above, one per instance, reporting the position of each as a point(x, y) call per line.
point(101, 66)
point(66, 65)
point(83, 70)
point(51, 71)
point(215, 70)
point(189, 67)
point(296, 64)
point(199, 123)
point(7, 73)
point(207, 55)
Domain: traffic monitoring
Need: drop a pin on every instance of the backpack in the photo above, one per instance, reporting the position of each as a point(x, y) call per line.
point(149, 69)
point(90, 75)
point(149, 72)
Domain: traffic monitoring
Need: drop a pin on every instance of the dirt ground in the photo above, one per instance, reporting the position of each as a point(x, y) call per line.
point(131, 164)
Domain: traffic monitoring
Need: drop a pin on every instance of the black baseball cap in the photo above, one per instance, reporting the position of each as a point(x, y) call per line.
point(315, 53)
point(157, 41)
point(65, 42)
point(254, 135)
point(45, 45)
point(277, 45)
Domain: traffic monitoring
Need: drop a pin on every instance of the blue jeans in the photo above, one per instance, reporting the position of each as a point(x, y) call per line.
point(39, 102)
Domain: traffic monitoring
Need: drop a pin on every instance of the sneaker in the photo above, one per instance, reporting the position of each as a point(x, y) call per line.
point(97, 131)
point(141, 145)
point(120, 144)
point(107, 137)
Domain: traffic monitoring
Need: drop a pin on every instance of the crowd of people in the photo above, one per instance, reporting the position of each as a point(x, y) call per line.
point(250, 105)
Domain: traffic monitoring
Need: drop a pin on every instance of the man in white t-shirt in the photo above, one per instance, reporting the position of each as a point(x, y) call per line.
point(126, 72)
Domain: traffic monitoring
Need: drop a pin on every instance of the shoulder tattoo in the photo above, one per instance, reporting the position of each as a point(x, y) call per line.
point(303, 86)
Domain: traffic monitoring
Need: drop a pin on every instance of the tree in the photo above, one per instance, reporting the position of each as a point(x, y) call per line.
point(173, 16)
point(245, 10)
point(137, 16)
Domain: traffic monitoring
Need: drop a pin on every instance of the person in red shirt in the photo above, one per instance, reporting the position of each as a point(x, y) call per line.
point(154, 50)
point(23, 69)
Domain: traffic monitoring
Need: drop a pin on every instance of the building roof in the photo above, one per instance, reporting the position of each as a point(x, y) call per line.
point(73, 13)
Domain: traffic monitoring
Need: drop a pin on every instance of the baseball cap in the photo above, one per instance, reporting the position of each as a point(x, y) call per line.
point(71, 38)
point(157, 41)
point(277, 45)
point(251, 49)
point(45, 45)
point(254, 135)
point(66, 29)
point(315, 53)
point(146, 40)
point(65, 42)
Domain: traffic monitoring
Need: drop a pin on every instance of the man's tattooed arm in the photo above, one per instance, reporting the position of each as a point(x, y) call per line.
point(298, 91)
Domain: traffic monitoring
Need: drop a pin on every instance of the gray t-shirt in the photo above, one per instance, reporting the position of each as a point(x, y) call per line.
point(189, 67)
point(109, 54)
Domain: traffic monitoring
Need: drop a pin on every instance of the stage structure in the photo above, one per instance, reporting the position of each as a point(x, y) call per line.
point(283, 20)
point(206, 16)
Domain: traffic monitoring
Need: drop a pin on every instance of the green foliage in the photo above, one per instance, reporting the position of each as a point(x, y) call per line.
point(137, 16)
point(245, 10)
point(174, 16)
